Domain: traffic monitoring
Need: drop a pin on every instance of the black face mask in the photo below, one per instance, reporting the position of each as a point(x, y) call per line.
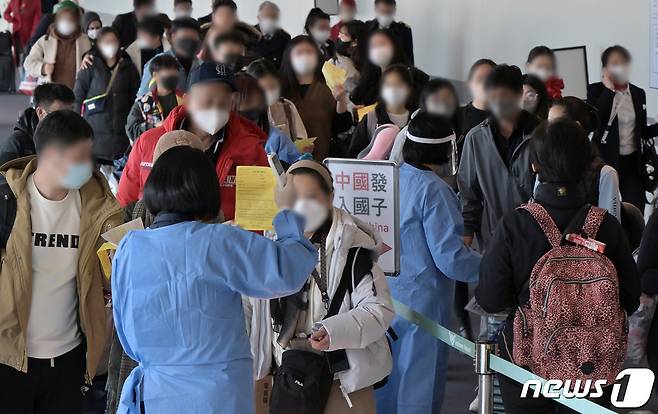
point(170, 82)
point(254, 115)
point(344, 48)
point(187, 47)
point(235, 62)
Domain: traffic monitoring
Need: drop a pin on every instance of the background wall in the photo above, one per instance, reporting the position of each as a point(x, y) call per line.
point(450, 34)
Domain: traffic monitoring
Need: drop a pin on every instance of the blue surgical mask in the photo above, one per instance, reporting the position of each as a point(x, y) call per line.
point(77, 176)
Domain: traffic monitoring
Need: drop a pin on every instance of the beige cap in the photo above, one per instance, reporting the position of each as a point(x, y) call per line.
point(178, 138)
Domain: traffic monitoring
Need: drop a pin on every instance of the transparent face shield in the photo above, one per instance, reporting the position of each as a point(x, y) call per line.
point(450, 166)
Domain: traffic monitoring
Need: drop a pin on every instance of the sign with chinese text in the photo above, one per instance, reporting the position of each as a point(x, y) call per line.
point(368, 190)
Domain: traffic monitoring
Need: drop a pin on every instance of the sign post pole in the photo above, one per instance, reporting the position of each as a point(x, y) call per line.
point(483, 349)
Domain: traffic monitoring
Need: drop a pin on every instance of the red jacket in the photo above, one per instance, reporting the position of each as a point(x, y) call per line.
point(24, 15)
point(335, 30)
point(243, 145)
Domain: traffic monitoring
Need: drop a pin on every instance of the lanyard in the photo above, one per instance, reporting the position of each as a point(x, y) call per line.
point(321, 279)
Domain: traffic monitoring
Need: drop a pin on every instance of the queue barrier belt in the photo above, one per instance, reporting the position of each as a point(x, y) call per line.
point(496, 363)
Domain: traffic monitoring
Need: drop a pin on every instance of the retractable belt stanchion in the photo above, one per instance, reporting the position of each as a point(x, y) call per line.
point(483, 349)
point(487, 363)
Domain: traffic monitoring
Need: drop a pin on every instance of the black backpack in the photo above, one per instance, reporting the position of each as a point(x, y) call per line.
point(7, 211)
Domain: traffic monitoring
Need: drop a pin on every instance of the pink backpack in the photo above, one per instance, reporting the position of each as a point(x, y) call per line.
point(573, 326)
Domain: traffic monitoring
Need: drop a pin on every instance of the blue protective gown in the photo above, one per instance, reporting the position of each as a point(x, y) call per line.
point(178, 310)
point(432, 256)
point(279, 143)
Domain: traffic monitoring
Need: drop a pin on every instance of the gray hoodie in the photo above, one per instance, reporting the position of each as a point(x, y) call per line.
point(488, 189)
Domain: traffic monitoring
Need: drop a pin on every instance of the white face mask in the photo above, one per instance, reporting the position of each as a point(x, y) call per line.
point(92, 34)
point(394, 96)
point(321, 36)
point(268, 26)
point(381, 55)
point(183, 13)
point(272, 96)
point(440, 108)
point(385, 20)
point(542, 73)
point(143, 43)
point(620, 73)
point(210, 120)
point(65, 27)
point(304, 64)
point(314, 213)
point(108, 50)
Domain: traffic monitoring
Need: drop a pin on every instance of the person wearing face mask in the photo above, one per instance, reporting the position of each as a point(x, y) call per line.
point(195, 357)
point(394, 107)
point(323, 111)
point(601, 181)
point(91, 24)
point(317, 26)
point(251, 103)
point(494, 172)
point(380, 51)
point(623, 123)
point(150, 42)
point(476, 111)
point(104, 93)
point(56, 56)
point(343, 309)
point(150, 110)
point(186, 40)
point(52, 309)
point(230, 49)
point(281, 112)
point(126, 23)
point(385, 20)
point(273, 39)
point(47, 98)
point(346, 12)
point(348, 43)
point(229, 140)
point(182, 8)
point(432, 257)
point(541, 62)
point(535, 97)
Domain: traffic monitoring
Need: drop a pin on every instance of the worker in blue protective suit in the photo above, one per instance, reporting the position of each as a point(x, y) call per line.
point(177, 290)
point(432, 257)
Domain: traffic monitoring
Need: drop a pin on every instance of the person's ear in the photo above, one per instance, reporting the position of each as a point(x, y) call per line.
point(41, 113)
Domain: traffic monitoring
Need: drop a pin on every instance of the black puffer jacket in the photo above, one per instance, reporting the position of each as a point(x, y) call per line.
point(20, 143)
point(110, 140)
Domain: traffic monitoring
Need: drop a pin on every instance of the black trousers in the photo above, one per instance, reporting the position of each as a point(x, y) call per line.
point(50, 385)
point(630, 181)
point(514, 404)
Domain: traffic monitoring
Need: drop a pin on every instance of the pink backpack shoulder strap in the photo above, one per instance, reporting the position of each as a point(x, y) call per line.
point(593, 221)
point(541, 216)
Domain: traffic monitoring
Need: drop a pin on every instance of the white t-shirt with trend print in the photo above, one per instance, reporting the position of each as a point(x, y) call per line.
point(52, 328)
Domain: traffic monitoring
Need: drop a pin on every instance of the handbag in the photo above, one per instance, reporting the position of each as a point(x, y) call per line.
point(96, 104)
point(303, 381)
point(649, 164)
point(639, 324)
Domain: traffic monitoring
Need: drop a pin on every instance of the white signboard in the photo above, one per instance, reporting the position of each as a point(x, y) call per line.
point(368, 190)
point(654, 44)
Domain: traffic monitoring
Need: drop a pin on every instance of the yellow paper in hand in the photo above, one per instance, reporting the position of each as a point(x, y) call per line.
point(105, 253)
point(333, 75)
point(363, 111)
point(254, 198)
point(305, 144)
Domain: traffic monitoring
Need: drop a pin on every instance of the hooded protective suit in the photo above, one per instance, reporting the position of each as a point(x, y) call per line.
point(178, 310)
point(433, 256)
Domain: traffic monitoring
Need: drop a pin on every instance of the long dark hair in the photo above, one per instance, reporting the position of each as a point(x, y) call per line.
point(371, 73)
point(289, 82)
point(542, 94)
point(435, 85)
point(248, 87)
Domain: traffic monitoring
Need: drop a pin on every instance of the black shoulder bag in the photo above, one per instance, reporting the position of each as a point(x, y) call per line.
point(303, 381)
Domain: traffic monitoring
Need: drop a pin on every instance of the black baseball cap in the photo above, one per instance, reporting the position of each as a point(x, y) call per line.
point(208, 72)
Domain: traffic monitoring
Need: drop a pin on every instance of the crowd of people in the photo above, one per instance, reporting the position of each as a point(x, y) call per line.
point(150, 117)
